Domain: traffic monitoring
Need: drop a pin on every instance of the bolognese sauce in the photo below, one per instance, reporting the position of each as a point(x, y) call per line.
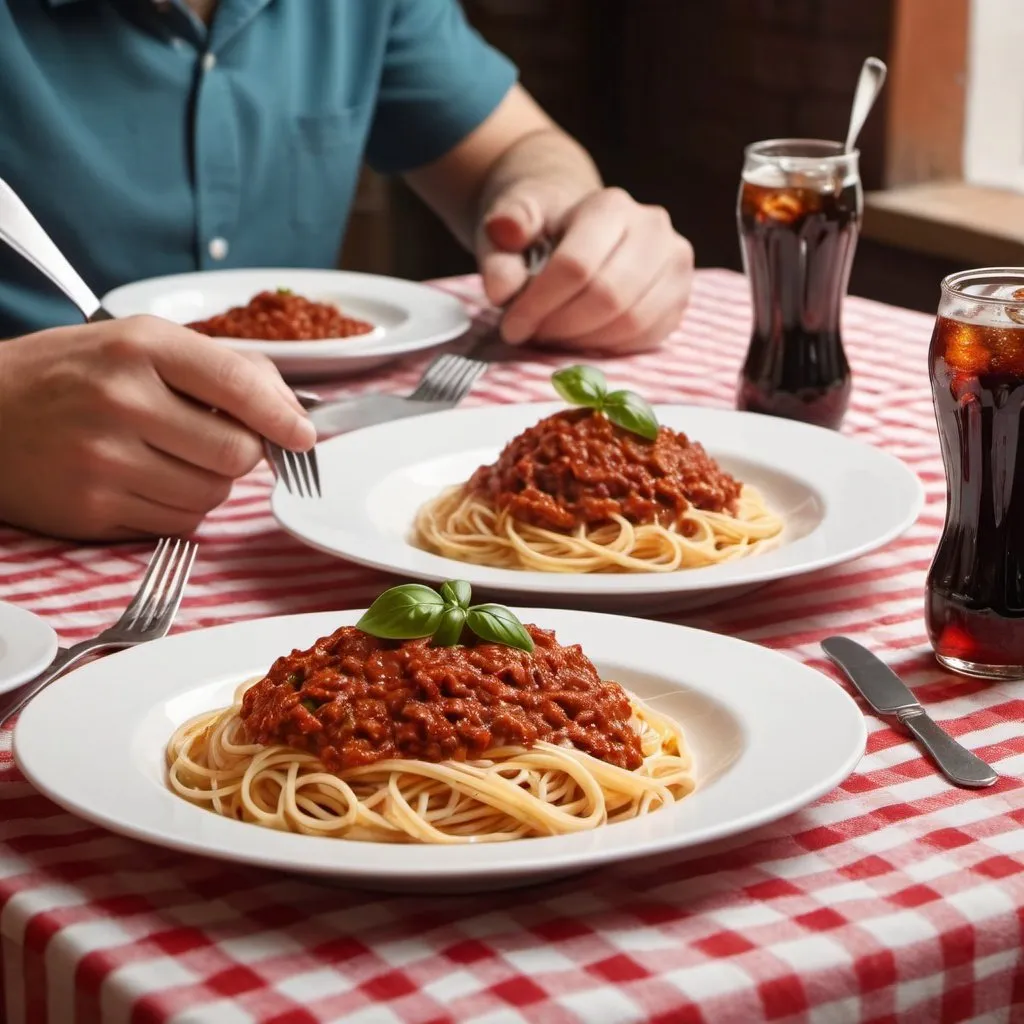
point(353, 699)
point(282, 316)
point(578, 468)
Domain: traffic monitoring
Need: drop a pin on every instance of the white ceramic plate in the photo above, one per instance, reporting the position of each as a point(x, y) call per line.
point(27, 646)
point(840, 499)
point(769, 736)
point(408, 316)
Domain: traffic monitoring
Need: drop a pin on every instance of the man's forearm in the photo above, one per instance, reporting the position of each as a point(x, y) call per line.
point(549, 157)
point(519, 141)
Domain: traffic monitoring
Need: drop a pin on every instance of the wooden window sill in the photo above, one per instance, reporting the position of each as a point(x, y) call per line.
point(952, 220)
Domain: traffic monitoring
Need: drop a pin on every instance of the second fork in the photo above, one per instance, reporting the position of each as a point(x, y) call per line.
point(298, 471)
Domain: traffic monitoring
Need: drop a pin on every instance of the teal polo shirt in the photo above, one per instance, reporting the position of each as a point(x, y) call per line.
point(146, 144)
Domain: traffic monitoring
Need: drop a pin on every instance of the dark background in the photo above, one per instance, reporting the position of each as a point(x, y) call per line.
point(665, 94)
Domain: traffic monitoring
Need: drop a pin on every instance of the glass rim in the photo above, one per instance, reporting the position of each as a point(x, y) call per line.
point(953, 284)
point(757, 151)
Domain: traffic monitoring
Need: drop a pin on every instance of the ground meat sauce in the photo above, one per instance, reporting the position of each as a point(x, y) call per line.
point(352, 700)
point(282, 316)
point(577, 467)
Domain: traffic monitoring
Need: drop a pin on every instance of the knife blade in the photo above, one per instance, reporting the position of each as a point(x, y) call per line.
point(365, 410)
point(888, 695)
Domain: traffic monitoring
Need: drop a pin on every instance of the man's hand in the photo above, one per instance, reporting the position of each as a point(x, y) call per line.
point(107, 430)
point(618, 280)
point(620, 276)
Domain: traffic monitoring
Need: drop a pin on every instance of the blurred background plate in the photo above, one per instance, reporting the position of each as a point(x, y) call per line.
point(408, 317)
point(27, 646)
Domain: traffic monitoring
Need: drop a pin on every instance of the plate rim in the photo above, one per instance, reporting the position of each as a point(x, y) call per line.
point(531, 585)
point(328, 350)
point(26, 620)
point(503, 860)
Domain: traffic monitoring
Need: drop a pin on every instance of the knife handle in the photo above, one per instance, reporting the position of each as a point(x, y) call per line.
point(955, 761)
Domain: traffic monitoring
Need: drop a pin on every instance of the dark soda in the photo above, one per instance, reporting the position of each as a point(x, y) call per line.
point(798, 245)
point(975, 589)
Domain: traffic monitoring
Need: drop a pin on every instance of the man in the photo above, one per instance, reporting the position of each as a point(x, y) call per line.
point(158, 136)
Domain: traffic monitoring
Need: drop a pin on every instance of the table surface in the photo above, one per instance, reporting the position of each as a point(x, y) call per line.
point(897, 897)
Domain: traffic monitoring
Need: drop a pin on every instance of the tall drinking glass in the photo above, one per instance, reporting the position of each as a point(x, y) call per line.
point(800, 207)
point(975, 590)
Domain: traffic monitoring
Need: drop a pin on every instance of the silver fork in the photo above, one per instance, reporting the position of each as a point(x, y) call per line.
point(148, 617)
point(298, 471)
point(449, 378)
point(446, 380)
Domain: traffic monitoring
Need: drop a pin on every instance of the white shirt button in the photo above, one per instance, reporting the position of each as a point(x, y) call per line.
point(209, 61)
point(218, 248)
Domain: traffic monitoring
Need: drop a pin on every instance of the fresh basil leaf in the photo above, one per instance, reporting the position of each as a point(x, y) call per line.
point(581, 385)
point(496, 624)
point(628, 410)
point(449, 632)
point(403, 613)
point(284, 291)
point(457, 592)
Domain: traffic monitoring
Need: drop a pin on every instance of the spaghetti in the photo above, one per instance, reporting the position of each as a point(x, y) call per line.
point(512, 793)
point(578, 494)
point(410, 742)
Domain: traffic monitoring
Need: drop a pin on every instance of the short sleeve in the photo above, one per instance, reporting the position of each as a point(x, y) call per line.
point(440, 81)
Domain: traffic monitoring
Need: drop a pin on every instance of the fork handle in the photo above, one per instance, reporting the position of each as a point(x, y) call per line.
point(67, 658)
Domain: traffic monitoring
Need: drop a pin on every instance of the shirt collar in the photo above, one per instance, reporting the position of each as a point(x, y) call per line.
point(231, 17)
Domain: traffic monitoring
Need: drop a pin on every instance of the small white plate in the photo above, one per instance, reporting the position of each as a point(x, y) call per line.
point(840, 499)
point(407, 316)
point(27, 646)
point(769, 736)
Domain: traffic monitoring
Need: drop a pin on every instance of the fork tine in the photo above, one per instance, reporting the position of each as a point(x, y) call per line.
point(462, 375)
point(279, 464)
point(452, 387)
point(304, 473)
point(311, 471)
point(153, 593)
point(433, 377)
point(470, 375)
point(156, 563)
point(295, 473)
point(164, 613)
point(314, 468)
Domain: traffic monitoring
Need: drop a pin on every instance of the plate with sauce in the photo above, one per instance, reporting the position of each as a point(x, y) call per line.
point(836, 498)
point(27, 646)
point(313, 324)
point(765, 737)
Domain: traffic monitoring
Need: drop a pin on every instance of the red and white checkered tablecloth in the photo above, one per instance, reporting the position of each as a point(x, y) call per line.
point(895, 898)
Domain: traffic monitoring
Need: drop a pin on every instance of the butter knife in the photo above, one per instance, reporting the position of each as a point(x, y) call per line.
point(888, 695)
point(365, 410)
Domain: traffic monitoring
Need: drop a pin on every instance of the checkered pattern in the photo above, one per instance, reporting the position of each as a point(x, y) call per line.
point(895, 898)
